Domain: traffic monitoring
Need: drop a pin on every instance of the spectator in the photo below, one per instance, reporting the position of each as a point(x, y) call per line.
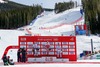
point(5, 59)
point(19, 55)
point(81, 11)
point(23, 55)
point(10, 61)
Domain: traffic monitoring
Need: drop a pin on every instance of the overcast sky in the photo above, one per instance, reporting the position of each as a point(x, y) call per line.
point(43, 3)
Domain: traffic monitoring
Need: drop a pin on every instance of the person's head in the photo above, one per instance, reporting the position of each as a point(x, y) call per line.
point(8, 57)
point(23, 48)
point(4, 54)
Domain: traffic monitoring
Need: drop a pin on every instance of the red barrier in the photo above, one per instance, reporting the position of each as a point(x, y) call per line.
point(8, 48)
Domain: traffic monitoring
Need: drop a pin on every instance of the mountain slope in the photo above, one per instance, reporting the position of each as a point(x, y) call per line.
point(11, 5)
point(14, 15)
point(83, 42)
point(1, 1)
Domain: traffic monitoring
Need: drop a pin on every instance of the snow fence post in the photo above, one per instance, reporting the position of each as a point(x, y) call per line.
point(92, 45)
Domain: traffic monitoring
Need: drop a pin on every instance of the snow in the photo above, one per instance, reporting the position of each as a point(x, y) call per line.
point(51, 24)
point(1, 1)
point(56, 65)
point(60, 18)
point(85, 42)
point(8, 37)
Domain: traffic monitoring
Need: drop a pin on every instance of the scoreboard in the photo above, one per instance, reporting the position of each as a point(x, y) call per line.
point(67, 44)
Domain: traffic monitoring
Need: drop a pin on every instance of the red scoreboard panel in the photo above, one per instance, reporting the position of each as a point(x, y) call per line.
point(66, 43)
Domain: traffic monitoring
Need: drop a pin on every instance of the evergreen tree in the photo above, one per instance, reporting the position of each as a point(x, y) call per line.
point(13, 15)
point(92, 14)
point(60, 7)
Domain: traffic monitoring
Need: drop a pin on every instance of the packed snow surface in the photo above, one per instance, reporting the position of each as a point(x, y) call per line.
point(50, 24)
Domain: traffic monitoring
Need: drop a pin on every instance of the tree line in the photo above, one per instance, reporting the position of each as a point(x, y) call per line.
point(17, 16)
point(92, 15)
point(62, 6)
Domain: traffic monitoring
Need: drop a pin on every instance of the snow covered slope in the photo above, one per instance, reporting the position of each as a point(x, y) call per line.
point(7, 38)
point(50, 24)
point(67, 17)
point(1, 1)
point(55, 22)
